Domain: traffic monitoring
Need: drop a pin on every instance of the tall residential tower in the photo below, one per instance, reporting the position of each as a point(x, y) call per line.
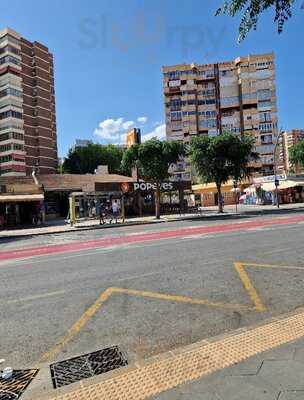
point(238, 96)
point(27, 107)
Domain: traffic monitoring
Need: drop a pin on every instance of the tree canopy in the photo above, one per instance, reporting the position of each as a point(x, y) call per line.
point(83, 160)
point(152, 160)
point(296, 154)
point(251, 11)
point(221, 158)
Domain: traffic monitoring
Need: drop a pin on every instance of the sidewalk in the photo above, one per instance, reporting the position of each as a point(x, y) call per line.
point(263, 362)
point(60, 226)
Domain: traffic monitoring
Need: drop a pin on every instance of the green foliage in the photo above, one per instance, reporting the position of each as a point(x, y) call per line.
point(251, 11)
point(222, 157)
point(152, 158)
point(85, 160)
point(296, 154)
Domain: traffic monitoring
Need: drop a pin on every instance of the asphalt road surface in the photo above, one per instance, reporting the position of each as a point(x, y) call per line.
point(148, 289)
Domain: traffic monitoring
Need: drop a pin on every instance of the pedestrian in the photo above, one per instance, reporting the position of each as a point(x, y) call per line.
point(115, 210)
point(102, 212)
point(2, 221)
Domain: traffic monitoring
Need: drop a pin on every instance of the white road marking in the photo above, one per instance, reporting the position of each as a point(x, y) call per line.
point(36, 297)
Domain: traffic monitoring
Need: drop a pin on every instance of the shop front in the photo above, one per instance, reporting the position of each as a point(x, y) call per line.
point(17, 210)
point(264, 190)
point(139, 197)
point(209, 196)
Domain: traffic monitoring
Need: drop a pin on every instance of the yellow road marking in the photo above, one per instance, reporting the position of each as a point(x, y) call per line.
point(272, 266)
point(259, 306)
point(240, 268)
point(181, 299)
point(36, 297)
point(78, 325)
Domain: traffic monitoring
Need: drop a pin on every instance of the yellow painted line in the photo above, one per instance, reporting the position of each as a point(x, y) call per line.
point(180, 299)
point(36, 297)
point(259, 306)
point(77, 326)
point(272, 266)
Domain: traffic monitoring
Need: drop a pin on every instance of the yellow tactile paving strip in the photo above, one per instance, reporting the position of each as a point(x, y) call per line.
point(165, 372)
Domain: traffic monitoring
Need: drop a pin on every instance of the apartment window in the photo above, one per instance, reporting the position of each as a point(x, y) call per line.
point(11, 114)
point(208, 101)
point(10, 92)
point(9, 59)
point(264, 103)
point(2, 128)
point(176, 116)
point(17, 146)
point(188, 92)
point(265, 116)
point(10, 49)
point(265, 127)
point(266, 139)
point(4, 136)
point(5, 147)
point(4, 159)
point(227, 113)
point(264, 94)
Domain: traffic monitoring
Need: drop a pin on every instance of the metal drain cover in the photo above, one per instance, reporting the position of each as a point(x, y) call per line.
point(12, 389)
point(82, 367)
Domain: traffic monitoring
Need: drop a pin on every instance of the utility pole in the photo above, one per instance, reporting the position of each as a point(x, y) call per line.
point(276, 180)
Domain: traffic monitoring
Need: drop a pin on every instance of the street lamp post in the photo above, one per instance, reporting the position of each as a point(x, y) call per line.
point(276, 180)
point(235, 185)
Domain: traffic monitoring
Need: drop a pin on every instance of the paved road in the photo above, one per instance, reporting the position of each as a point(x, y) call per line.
point(147, 296)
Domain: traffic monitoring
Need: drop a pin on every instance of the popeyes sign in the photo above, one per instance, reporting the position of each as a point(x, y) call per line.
point(145, 186)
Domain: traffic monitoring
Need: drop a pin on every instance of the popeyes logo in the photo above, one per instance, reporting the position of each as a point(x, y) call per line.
point(125, 187)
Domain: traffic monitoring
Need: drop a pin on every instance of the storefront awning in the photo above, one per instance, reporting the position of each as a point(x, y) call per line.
point(16, 198)
point(270, 186)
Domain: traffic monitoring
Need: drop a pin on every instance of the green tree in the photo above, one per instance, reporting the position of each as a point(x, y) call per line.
point(152, 160)
point(251, 11)
point(296, 156)
point(221, 158)
point(83, 160)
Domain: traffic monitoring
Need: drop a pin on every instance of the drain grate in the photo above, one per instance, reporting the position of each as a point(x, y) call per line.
point(82, 367)
point(12, 389)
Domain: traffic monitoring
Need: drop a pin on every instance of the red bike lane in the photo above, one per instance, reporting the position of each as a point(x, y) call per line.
point(145, 237)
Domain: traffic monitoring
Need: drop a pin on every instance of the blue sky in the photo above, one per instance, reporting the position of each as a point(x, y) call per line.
point(108, 56)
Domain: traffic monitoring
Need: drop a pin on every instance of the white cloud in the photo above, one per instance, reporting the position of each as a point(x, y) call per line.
point(113, 130)
point(128, 124)
point(159, 132)
point(142, 120)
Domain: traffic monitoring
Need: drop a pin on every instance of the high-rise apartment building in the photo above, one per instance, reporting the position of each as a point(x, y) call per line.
point(288, 139)
point(237, 96)
point(27, 106)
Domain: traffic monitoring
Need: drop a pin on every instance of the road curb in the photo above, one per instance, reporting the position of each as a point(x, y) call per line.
point(185, 218)
point(209, 355)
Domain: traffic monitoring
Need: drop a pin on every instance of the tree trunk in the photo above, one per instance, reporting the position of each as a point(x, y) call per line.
point(157, 201)
point(220, 200)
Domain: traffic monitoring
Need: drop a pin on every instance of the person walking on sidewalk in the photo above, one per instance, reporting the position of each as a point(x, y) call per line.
point(115, 210)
